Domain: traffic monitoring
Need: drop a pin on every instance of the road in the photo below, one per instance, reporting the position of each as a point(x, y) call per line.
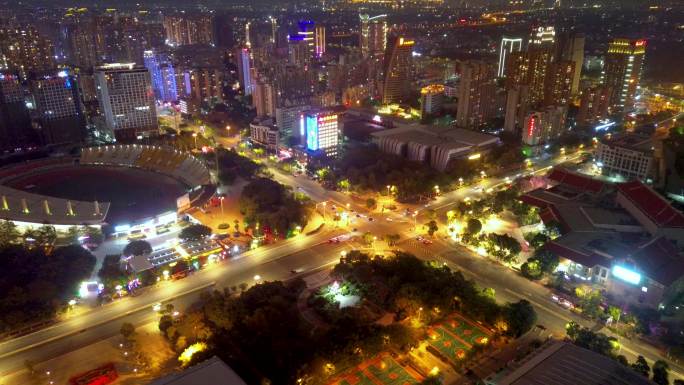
point(304, 254)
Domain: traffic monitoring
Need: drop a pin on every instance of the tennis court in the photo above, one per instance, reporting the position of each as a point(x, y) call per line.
point(455, 336)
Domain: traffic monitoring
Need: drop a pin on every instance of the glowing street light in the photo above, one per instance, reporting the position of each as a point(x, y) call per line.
point(221, 198)
point(194, 135)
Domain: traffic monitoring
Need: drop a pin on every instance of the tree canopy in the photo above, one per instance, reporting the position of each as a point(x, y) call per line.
point(194, 232)
point(272, 206)
point(137, 247)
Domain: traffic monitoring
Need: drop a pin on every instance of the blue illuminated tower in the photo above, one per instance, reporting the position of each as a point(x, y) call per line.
point(163, 76)
point(321, 131)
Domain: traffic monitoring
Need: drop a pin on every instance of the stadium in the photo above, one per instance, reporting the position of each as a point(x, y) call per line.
point(124, 189)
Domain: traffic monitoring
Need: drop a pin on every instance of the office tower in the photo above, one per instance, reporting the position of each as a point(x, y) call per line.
point(397, 82)
point(622, 70)
point(543, 36)
point(163, 76)
point(319, 37)
point(86, 43)
point(532, 66)
point(559, 80)
point(544, 125)
point(288, 121)
point(594, 105)
point(25, 50)
point(244, 64)
point(476, 94)
point(571, 46)
point(431, 98)
point(15, 122)
point(321, 131)
point(58, 112)
point(373, 37)
point(126, 100)
point(508, 46)
point(188, 29)
point(264, 98)
point(199, 84)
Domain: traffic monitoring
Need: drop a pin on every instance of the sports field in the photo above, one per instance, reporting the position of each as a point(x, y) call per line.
point(454, 337)
point(380, 370)
point(133, 194)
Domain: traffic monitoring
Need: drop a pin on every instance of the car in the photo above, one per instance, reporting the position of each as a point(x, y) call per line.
point(334, 240)
point(419, 238)
point(427, 242)
point(370, 219)
point(358, 215)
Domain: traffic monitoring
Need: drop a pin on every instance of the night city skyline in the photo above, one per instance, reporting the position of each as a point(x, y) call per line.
point(340, 192)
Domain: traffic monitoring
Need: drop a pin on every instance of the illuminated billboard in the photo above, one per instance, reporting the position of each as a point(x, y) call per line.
point(627, 275)
point(312, 132)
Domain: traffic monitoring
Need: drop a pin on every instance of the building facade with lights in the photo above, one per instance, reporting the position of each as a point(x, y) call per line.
point(398, 70)
point(627, 156)
point(373, 35)
point(622, 70)
point(431, 99)
point(126, 99)
point(508, 46)
point(321, 132)
point(541, 127)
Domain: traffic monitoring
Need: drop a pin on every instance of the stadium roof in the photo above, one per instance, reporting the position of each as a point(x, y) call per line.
point(210, 372)
point(576, 180)
point(20, 206)
point(660, 260)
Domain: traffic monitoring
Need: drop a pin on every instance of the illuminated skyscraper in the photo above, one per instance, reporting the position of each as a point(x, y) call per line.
point(321, 131)
point(126, 99)
point(531, 67)
point(163, 76)
point(622, 70)
point(319, 35)
point(373, 35)
point(508, 46)
point(397, 82)
point(244, 62)
point(264, 98)
point(594, 105)
point(274, 29)
point(25, 50)
point(476, 95)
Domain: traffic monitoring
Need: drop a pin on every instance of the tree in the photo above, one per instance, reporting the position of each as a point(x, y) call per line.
point(8, 233)
point(473, 226)
point(236, 223)
point(110, 272)
point(371, 204)
point(72, 235)
point(521, 317)
point(367, 238)
point(94, 235)
point(137, 247)
point(127, 330)
point(531, 269)
point(661, 372)
point(165, 322)
point(195, 232)
point(641, 366)
point(432, 227)
point(615, 313)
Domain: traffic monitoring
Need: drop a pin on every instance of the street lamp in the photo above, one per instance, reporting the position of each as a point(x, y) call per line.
point(324, 205)
point(194, 135)
point(221, 198)
point(388, 190)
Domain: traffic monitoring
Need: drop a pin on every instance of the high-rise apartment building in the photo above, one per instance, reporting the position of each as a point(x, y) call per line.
point(15, 122)
point(571, 48)
point(200, 84)
point(532, 66)
point(264, 98)
point(622, 70)
point(398, 72)
point(594, 105)
point(431, 99)
point(558, 87)
point(321, 131)
point(517, 105)
point(126, 100)
point(25, 50)
point(476, 96)
point(163, 76)
point(544, 125)
point(373, 36)
point(188, 29)
point(319, 39)
point(508, 46)
point(58, 112)
point(85, 43)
